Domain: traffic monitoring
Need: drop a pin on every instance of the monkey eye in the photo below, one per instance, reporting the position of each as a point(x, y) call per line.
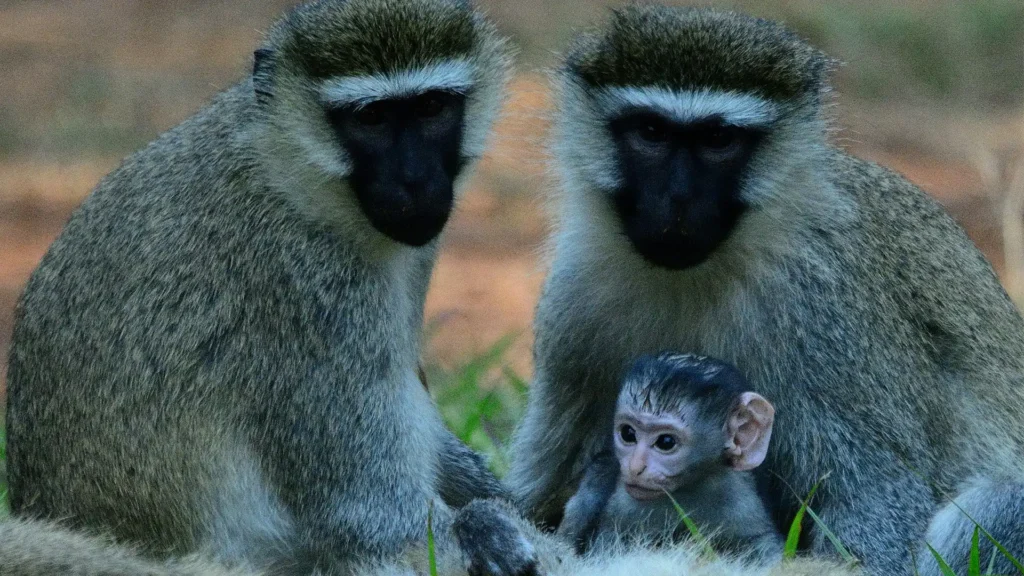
point(653, 132)
point(717, 139)
point(666, 442)
point(628, 434)
point(369, 115)
point(429, 105)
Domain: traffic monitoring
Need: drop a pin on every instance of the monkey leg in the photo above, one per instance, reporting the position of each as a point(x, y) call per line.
point(880, 518)
point(998, 508)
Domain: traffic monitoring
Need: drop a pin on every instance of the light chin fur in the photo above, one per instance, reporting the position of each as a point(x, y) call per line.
point(29, 548)
point(682, 560)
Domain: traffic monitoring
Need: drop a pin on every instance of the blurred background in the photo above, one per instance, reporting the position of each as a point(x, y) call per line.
point(932, 88)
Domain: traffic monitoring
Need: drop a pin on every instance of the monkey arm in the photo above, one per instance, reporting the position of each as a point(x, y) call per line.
point(584, 510)
point(463, 475)
point(546, 448)
point(572, 399)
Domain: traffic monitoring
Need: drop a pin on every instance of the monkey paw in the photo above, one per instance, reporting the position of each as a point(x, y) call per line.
point(492, 543)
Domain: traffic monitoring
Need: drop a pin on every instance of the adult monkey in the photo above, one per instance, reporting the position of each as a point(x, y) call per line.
point(219, 353)
point(703, 210)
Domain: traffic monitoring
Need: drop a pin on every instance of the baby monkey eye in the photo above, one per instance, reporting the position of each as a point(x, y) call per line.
point(665, 442)
point(627, 434)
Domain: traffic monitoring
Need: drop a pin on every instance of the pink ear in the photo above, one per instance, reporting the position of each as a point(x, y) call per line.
point(748, 430)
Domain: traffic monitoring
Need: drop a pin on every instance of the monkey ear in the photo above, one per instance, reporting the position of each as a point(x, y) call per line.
point(748, 430)
point(262, 75)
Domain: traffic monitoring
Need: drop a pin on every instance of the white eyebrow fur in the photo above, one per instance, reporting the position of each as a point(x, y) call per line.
point(451, 75)
point(737, 109)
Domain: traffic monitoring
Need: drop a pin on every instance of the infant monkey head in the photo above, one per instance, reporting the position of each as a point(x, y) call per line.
point(680, 418)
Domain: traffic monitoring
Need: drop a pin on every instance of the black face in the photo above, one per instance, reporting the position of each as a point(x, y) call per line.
point(405, 156)
point(680, 197)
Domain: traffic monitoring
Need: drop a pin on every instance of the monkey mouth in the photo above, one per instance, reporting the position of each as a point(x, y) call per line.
point(638, 492)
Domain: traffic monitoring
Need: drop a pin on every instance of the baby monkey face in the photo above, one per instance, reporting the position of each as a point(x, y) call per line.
point(653, 452)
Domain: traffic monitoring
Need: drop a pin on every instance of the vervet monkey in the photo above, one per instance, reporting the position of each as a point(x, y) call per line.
point(219, 353)
point(687, 431)
point(703, 209)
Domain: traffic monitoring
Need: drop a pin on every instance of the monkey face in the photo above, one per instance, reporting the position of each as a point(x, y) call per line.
point(405, 158)
point(680, 191)
point(653, 453)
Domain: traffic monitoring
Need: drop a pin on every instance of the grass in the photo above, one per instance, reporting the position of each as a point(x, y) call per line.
point(706, 549)
point(482, 399)
point(966, 53)
point(431, 548)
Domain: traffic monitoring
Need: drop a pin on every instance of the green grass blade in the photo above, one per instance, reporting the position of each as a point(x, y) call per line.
point(991, 563)
point(793, 538)
point(431, 551)
point(836, 543)
point(946, 570)
point(847, 556)
point(518, 384)
point(1002, 549)
point(695, 532)
point(1016, 563)
point(974, 567)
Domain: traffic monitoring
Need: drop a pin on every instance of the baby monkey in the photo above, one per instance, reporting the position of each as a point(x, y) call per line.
point(689, 427)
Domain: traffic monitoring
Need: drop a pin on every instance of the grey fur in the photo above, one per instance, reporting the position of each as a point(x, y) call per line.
point(36, 548)
point(894, 358)
point(996, 506)
point(723, 502)
point(44, 549)
point(581, 521)
point(481, 537)
point(219, 352)
point(652, 45)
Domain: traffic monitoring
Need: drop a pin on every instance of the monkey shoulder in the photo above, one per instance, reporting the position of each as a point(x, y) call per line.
point(918, 264)
point(897, 219)
point(748, 515)
point(159, 201)
point(183, 249)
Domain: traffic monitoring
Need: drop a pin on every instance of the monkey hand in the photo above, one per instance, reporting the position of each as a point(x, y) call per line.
point(492, 542)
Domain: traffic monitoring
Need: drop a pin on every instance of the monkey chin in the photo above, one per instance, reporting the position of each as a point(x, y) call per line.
point(644, 493)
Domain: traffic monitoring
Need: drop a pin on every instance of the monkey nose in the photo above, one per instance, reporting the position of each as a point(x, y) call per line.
point(638, 466)
point(413, 189)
